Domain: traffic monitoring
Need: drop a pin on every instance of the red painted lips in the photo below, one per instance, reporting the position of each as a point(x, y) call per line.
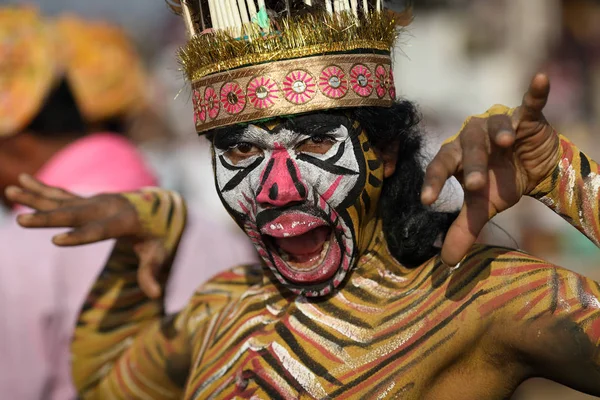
point(306, 251)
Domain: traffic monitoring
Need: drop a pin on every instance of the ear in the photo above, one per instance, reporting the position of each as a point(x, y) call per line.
point(389, 156)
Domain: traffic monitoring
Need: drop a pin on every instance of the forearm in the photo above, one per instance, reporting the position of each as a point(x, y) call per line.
point(115, 312)
point(573, 190)
point(119, 350)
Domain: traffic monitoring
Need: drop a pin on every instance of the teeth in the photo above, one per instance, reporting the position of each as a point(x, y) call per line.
point(324, 251)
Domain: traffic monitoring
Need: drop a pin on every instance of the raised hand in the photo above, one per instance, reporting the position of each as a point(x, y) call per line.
point(498, 157)
point(152, 219)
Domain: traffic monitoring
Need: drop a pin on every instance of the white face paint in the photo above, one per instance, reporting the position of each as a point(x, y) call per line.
point(290, 192)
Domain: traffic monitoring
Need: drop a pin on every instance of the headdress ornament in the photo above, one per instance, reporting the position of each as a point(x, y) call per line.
point(249, 60)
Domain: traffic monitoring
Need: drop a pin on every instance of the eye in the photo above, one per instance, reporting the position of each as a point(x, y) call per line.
point(318, 144)
point(242, 151)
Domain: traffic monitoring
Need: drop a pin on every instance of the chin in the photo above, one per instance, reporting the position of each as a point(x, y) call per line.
point(309, 251)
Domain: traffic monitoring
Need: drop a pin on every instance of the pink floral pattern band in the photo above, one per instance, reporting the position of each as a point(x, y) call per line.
point(292, 87)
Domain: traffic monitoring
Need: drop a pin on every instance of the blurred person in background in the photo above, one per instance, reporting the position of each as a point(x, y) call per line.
point(68, 90)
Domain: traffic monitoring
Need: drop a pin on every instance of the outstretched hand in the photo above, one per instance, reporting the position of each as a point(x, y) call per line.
point(498, 157)
point(98, 218)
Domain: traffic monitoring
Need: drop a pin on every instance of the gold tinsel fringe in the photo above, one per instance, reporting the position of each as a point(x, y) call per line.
point(295, 37)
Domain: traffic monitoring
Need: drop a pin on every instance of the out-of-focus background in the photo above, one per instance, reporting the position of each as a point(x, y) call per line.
point(458, 58)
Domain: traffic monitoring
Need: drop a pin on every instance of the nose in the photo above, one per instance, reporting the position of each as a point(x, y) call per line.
point(280, 182)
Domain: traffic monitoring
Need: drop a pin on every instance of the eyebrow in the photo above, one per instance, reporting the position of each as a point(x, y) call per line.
point(316, 124)
point(227, 137)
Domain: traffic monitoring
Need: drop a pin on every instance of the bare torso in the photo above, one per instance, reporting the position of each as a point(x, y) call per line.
point(427, 333)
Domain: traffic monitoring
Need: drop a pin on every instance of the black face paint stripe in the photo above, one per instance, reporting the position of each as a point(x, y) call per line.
point(266, 174)
point(273, 191)
point(292, 170)
point(335, 158)
point(375, 181)
point(374, 164)
point(240, 176)
point(367, 200)
point(324, 164)
point(228, 166)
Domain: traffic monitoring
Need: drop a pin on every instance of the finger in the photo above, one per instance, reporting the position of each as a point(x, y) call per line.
point(95, 231)
point(151, 261)
point(501, 131)
point(440, 169)
point(474, 215)
point(30, 199)
point(33, 185)
point(535, 99)
point(66, 217)
point(475, 153)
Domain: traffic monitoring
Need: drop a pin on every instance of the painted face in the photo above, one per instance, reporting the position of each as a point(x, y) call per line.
point(305, 191)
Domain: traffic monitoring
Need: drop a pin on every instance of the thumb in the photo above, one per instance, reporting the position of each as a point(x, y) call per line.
point(152, 258)
point(463, 233)
point(534, 100)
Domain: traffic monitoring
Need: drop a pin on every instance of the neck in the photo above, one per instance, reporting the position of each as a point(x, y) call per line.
point(377, 261)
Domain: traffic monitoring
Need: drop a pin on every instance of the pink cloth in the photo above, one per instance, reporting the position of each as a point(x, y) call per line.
point(42, 287)
point(101, 162)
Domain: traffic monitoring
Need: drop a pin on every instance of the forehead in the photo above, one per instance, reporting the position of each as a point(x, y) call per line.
point(309, 124)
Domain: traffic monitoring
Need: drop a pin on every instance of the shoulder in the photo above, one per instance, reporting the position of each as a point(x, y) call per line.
point(489, 271)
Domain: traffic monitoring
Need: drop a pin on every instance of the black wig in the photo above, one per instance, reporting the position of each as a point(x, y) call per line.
point(411, 229)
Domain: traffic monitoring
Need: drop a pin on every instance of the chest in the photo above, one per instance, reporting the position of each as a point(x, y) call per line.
point(341, 348)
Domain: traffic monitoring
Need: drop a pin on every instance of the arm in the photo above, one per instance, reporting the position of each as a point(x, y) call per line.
point(545, 319)
point(572, 190)
point(124, 346)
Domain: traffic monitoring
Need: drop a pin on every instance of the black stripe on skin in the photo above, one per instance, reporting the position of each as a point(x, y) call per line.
point(374, 181)
point(155, 203)
point(312, 364)
point(292, 170)
point(367, 201)
point(412, 346)
point(273, 191)
point(240, 176)
point(555, 286)
point(374, 164)
point(266, 174)
point(336, 157)
point(228, 166)
point(585, 166)
point(324, 164)
point(171, 210)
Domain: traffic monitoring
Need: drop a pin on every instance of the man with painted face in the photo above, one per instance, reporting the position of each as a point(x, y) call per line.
point(353, 299)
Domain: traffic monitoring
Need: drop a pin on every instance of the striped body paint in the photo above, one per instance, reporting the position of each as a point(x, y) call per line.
point(573, 190)
point(286, 185)
point(471, 332)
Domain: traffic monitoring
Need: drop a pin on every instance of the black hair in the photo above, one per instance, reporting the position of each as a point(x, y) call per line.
point(410, 228)
point(59, 116)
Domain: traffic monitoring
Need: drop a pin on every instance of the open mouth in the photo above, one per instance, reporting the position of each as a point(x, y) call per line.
point(304, 247)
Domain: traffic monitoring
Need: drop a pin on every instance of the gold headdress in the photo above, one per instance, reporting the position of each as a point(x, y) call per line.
point(249, 60)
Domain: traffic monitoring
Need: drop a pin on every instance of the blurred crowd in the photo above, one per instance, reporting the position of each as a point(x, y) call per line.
point(458, 58)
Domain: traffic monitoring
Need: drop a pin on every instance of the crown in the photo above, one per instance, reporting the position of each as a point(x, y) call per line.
point(250, 60)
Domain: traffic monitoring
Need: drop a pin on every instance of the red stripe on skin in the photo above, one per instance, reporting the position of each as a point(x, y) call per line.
point(530, 304)
point(498, 301)
point(327, 195)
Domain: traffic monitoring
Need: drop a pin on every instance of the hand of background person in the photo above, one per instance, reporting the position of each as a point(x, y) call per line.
point(498, 157)
point(140, 217)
